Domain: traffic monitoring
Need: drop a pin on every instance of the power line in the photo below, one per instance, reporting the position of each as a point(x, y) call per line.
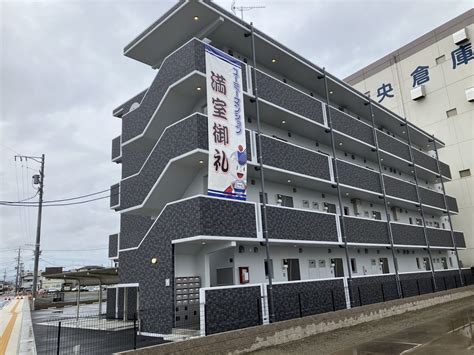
point(56, 205)
point(58, 200)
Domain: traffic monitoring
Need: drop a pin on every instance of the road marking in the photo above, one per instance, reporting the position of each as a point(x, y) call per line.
point(9, 329)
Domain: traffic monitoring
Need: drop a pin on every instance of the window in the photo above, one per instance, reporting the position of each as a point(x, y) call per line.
point(410, 220)
point(329, 207)
point(418, 265)
point(451, 113)
point(271, 268)
point(440, 59)
point(346, 211)
point(377, 215)
point(465, 173)
point(286, 201)
point(451, 261)
point(353, 265)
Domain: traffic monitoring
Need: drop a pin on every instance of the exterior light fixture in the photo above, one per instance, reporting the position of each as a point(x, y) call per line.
point(381, 159)
point(331, 92)
point(201, 161)
point(274, 60)
point(283, 122)
point(198, 88)
point(347, 193)
point(340, 143)
point(196, 18)
point(404, 132)
point(203, 243)
point(289, 180)
point(154, 260)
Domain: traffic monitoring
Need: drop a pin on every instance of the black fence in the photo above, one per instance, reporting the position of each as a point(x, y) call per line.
point(89, 334)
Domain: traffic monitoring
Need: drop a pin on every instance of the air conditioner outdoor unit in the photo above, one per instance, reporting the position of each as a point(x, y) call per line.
point(460, 36)
point(470, 94)
point(418, 92)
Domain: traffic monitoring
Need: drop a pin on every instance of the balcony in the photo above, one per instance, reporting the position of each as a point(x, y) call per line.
point(288, 223)
point(113, 246)
point(282, 155)
point(393, 145)
point(185, 136)
point(115, 197)
point(407, 234)
point(400, 189)
point(428, 162)
point(442, 238)
point(362, 230)
point(349, 125)
point(117, 149)
point(357, 176)
point(289, 98)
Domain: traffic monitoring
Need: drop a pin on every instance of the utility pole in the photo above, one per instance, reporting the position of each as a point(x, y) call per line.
point(37, 180)
point(17, 271)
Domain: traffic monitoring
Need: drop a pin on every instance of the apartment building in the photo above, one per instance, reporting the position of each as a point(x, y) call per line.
point(431, 82)
point(222, 159)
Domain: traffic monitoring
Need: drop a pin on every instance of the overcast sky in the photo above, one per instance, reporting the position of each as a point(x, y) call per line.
point(62, 73)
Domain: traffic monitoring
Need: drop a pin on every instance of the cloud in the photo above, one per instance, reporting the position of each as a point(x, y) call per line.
point(62, 73)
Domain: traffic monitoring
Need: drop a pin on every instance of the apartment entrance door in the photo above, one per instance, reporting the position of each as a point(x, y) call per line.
point(384, 265)
point(336, 264)
point(292, 269)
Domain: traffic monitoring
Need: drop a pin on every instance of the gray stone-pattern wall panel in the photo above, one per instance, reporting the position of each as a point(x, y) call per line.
point(452, 204)
point(468, 277)
point(132, 229)
point(424, 160)
point(447, 279)
point(181, 138)
point(459, 239)
point(132, 160)
point(432, 198)
point(289, 157)
point(111, 299)
point(405, 234)
point(300, 299)
point(401, 189)
point(232, 308)
point(360, 230)
point(113, 245)
point(285, 223)
point(115, 147)
point(132, 297)
point(249, 145)
point(120, 303)
point(351, 126)
point(439, 237)
point(373, 289)
point(352, 175)
point(416, 284)
point(283, 95)
point(114, 195)
point(187, 59)
point(128, 104)
point(180, 220)
point(394, 146)
point(445, 170)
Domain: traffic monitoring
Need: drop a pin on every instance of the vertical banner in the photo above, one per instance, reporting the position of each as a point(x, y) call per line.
point(226, 126)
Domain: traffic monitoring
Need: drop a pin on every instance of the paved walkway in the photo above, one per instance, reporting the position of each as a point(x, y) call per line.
point(16, 329)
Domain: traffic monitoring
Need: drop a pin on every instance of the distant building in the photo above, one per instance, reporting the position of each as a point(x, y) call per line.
point(353, 204)
point(48, 284)
point(431, 82)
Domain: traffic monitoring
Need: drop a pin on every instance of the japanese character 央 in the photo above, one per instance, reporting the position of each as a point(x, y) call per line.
point(220, 133)
point(420, 75)
point(220, 108)
point(462, 55)
point(218, 83)
point(221, 161)
point(384, 91)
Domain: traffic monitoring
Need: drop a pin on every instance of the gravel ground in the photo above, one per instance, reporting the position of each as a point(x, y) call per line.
point(348, 338)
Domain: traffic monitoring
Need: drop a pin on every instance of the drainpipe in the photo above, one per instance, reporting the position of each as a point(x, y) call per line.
point(382, 186)
point(336, 178)
point(447, 210)
point(262, 179)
